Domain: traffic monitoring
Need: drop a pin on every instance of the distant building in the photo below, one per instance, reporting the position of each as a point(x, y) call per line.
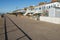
point(42, 8)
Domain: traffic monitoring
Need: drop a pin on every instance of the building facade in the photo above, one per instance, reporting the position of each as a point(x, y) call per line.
point(42, 8)
point(54, 12)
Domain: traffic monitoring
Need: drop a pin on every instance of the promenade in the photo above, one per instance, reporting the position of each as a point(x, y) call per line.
point(1, 29)
point(36, 30)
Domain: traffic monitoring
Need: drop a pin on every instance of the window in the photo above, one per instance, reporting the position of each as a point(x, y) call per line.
point(54, 5)
point(49, 6)
point(57, 4)
point(43, 7)
point(39, 8)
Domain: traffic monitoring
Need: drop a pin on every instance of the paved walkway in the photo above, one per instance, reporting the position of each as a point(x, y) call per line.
point(37, 30)
point(13, 32)
point(1, 29)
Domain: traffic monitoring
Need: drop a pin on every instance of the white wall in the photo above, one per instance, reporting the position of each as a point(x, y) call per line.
point(57, 12)
point(52, 12)
point(50, 19)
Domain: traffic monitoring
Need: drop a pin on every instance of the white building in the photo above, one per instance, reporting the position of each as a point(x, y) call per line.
point(54, 12)
point(42, 8)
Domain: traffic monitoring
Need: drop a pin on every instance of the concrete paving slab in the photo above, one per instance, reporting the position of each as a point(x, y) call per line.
point(2, 37)
point(38, 30)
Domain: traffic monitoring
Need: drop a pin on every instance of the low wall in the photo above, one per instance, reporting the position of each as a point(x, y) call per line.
point(50, 19)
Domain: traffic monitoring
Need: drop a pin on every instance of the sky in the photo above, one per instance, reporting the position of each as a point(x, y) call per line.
point(10, 5)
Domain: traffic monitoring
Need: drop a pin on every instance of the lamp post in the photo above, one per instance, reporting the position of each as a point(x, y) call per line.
point(16, 12)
